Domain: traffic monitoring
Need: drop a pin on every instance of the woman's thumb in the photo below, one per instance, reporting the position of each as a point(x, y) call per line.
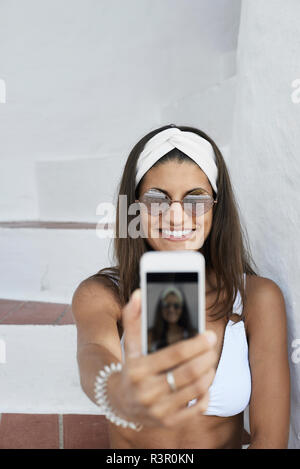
point(132, 325)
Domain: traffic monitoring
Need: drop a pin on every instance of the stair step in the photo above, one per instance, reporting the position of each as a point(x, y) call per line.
point(40, 374)
point(48, 264)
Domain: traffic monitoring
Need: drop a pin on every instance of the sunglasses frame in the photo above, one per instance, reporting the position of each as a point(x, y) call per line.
point(167, 305)
point(170, 201)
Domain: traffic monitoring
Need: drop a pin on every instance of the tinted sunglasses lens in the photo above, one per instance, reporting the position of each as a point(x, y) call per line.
point(176, 306)
point(197, 205)
point(155, 205)
point(193, 205)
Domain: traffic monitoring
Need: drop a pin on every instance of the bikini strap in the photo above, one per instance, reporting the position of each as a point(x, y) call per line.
point(238, 304)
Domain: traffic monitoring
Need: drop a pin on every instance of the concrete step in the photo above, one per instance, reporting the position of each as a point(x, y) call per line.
point(47, 264)
point(40, 373)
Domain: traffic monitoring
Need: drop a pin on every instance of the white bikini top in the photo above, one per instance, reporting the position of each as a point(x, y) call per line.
point(230, 390)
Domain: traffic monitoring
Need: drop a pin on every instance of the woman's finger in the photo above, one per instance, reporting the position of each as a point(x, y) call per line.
point(173, 402)
point(191, 371)
point(187, 413)
point(155, 389)
point(131, 318)
point(176, 354)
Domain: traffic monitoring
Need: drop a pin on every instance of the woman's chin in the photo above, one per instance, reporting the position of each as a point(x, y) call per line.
point(164, 245)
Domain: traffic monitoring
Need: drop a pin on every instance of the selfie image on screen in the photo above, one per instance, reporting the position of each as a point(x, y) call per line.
point(172, 306)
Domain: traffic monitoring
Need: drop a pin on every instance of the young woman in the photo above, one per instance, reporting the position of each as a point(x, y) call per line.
point(240, 360)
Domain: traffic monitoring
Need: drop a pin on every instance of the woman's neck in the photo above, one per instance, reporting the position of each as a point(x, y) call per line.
point(210, 280)
point(173, 327)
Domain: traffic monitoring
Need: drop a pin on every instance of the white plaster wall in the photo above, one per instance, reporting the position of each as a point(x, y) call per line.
point(85, 79)
point(264, 161)
point(41, 374)
point(47, 265)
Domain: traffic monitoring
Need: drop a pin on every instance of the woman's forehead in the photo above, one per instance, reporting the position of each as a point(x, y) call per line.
point(171, 294)
point(173, 176)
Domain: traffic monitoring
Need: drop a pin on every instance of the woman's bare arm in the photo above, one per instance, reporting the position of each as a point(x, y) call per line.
point(269, 411)
point(96, 313)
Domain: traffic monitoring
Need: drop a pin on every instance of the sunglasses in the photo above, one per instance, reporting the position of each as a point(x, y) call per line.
point(157, 202)
point(168, 305)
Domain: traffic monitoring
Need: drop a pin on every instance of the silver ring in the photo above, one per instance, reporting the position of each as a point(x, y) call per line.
point(171, 381)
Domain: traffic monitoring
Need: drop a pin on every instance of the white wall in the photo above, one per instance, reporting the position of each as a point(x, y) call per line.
point(39, 377)
point(264, 161)
point(48, 264)
point(85, 79)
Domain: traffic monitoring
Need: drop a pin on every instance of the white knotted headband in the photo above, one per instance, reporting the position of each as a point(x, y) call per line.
point(174, 290)
point(194, 146)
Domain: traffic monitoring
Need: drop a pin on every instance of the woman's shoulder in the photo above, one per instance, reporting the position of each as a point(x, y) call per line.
point(107, 273)
point(264, 302)
point(99, 287)
point(107, 278)
point(261, 286)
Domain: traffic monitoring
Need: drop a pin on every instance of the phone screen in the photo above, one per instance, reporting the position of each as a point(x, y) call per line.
point(172, 308)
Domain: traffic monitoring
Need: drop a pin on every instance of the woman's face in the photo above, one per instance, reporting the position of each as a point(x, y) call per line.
point(171, 308)
point(176, 179)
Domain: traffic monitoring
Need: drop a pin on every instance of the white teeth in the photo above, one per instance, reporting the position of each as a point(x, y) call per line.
point(177, 234)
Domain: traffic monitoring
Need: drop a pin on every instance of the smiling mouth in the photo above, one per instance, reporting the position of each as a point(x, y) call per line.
point(177, 235)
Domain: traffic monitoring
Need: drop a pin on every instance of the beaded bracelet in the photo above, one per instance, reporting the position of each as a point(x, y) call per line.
point(102, 399)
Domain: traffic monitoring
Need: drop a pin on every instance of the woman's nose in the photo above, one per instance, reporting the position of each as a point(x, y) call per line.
point(176, 214)
point(179, 218)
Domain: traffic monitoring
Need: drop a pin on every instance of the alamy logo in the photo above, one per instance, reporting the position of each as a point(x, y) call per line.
point(2, 351)
point(295, 96)
point(2, 91)
point(296, 352)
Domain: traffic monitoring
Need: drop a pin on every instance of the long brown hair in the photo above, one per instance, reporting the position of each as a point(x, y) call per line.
point(226, 249)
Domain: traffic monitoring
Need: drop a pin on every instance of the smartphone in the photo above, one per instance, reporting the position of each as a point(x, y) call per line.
point(173, 297)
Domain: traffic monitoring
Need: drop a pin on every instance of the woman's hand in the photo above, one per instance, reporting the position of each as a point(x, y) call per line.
point(141, 393)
